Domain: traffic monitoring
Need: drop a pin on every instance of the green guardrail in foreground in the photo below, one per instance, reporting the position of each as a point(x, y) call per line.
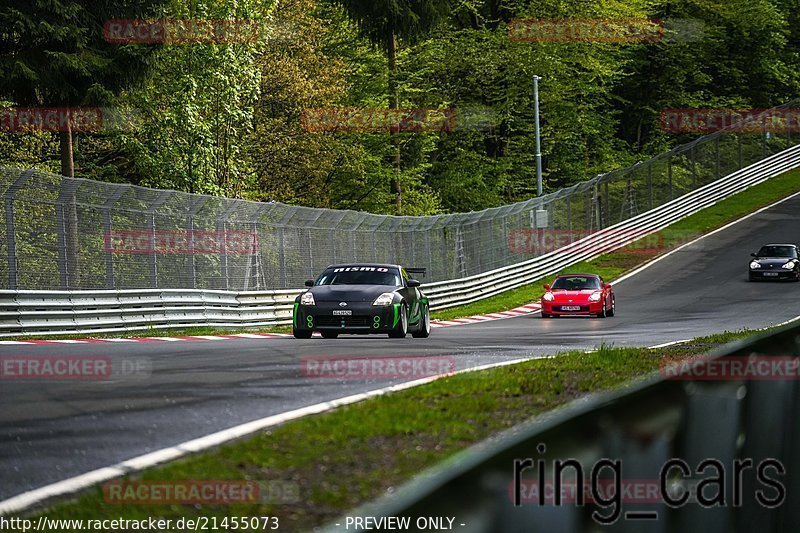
point(711, 446)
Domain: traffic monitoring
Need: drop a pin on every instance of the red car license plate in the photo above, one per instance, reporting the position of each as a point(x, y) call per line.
point(570, 307)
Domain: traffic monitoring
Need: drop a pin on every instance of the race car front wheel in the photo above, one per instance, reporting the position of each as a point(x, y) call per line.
point(400, 330)
point(301, 333)
point(424, 328)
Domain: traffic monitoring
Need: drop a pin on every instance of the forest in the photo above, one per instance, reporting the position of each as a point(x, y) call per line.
point(244, 116)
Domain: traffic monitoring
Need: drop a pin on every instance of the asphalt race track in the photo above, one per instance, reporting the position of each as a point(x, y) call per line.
point(52, 430)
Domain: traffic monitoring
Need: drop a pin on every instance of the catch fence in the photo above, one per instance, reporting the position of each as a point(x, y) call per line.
point(71, 234)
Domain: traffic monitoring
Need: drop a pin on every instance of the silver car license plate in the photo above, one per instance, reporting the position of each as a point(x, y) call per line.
point(570, 307)
point(347, 312)
point(770, 273)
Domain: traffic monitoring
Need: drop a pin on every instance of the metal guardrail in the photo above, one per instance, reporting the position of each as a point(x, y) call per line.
point(131, 310)
point(50, 312)
point(643, 427)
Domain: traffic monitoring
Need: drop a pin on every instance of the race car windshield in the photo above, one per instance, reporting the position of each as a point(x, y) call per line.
point(778, 251)
point(358, 277)
point(576, 283)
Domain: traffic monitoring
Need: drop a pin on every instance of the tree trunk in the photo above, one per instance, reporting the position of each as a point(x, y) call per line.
point(70, 211)
point(67, 163)
point(394, 103)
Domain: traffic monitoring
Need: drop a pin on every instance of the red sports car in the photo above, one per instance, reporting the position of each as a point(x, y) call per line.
point(578, 294)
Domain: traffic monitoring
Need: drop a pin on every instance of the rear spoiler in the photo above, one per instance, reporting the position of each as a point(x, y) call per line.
point(417, 271)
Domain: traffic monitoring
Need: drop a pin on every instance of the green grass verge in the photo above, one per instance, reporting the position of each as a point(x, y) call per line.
point(613, 265)
point(343, 458)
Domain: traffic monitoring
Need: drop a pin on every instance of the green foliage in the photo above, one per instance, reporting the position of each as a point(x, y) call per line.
point(225, 118)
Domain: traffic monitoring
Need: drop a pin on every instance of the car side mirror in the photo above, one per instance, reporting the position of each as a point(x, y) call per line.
point(753, 255)
point(309, 283)
point(413, 283)
point(547, 286)
point(607, 286)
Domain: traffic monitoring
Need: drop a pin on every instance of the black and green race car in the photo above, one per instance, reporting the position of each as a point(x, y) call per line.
point(362, 299)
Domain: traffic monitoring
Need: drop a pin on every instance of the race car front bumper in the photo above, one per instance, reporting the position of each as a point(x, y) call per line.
point(769, 275)
point(358, 317)
point(584, 308)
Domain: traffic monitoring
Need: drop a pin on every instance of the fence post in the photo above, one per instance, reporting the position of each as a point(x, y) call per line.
point(569, 213)
point(196, 205)
point(311, 256)
point(595, 208)
point(428, 250)
point(151, 228)
point(669, 174)
point(68, 188)
point(222, 227)
point(108, 249)
point(649, 186)
point(717, 154)
point(694, 167)
point(282, 256)
point(11, 237)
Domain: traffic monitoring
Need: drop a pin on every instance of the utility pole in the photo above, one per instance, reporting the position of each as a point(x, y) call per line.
point(538, 142)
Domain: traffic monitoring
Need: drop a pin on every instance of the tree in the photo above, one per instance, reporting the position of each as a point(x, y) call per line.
point(383, 23)
point(54, 54)
point(197, 106)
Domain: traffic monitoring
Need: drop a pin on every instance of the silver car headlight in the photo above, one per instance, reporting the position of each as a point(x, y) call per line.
point(755, 264)
point(384, 299)
point(307, 299)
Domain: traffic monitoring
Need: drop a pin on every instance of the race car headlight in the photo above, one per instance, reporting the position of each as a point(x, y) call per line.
point(548, 297)
point(384, 299)
point(307, 299)
point(755, 264)
point(789, 265)
point(595, 296)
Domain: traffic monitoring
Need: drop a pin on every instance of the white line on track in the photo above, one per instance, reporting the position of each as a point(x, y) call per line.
point(83, 481)
point(672, 343)
point(681, 247)
point(786, 322)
